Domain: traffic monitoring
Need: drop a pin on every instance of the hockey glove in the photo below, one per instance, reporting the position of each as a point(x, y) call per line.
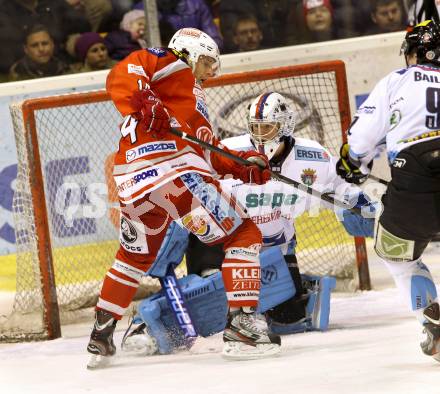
point(151, 113)
point(258, 173)
point(348, 168)
point(359, 225)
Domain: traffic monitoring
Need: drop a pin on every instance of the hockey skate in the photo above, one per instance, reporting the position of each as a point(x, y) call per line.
point(138, 341)
point(246, 337)
point(101, 343)
point(431, 345)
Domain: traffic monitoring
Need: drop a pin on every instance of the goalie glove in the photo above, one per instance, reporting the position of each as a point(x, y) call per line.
point(150, 112)
point(348, 168)
point(360, 225)
point(258, 173)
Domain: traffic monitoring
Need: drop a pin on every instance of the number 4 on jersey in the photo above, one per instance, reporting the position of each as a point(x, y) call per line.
point(129, 128)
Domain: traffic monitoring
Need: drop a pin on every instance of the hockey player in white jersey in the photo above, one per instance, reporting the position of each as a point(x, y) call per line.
point(402, 114)
point(273, 208)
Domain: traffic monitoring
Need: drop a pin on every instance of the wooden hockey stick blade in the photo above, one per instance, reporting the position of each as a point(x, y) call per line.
point(304, 188)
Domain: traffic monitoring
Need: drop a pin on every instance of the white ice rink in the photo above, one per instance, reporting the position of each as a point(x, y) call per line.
point(372, 347)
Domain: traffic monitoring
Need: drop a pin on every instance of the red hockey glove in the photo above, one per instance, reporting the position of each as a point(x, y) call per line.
point(151, 112)
point(259, 172)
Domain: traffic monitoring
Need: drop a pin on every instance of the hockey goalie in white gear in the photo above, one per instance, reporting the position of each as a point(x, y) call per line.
point(270, 119)
point(307, 307)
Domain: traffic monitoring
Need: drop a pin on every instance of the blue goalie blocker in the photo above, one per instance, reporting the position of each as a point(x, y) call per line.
point(206, 300)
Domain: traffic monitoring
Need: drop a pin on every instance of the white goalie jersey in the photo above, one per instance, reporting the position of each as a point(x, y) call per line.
point(275, 205)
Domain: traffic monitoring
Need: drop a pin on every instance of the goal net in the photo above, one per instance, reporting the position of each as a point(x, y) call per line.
point(65, 219)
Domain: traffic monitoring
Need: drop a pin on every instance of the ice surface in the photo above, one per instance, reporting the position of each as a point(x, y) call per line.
point(372, 347)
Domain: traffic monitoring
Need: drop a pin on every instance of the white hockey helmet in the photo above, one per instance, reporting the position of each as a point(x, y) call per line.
point(270, 118)
point(196, 43)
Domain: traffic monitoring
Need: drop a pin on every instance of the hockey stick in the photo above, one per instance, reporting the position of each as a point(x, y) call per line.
point(377, 179)
point(304, 188)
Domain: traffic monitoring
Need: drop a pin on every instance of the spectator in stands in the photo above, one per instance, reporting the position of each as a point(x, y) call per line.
point(387, 16)
point(272, 17)
point(39, 60)
point(187, 13)
point(247, 34)
point(318, 16)
point(17, 16)
point(321, 20)
point(91, 50)
point(95, 11)
point(129, 37)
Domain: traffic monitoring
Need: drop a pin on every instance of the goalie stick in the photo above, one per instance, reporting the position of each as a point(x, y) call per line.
point(323, 196)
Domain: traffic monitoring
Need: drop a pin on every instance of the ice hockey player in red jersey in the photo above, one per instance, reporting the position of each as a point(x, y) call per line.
point(160, 178)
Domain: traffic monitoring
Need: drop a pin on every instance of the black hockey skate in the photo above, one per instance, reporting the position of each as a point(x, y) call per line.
point(246, 336)
point(431, 345)
point(137, 340)
point(101, 343)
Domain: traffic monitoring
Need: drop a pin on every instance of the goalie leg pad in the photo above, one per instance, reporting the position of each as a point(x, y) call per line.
point(206, 300)
point(276, 283)
point(204, 297)
point(317, 307)
point(171, 251)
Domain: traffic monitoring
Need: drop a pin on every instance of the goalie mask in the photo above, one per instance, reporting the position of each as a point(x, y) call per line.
point(270, 119)
point(424, 39)
point(196, 43)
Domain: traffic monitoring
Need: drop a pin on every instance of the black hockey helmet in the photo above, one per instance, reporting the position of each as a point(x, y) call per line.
point(425, 39)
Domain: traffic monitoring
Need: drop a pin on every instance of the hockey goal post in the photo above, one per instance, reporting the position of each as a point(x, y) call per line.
point(64, 220)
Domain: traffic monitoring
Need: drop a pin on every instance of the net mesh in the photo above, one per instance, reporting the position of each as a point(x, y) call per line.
point(76, 143)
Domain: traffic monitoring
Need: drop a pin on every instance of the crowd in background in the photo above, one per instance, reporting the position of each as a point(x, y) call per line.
point(40, 38)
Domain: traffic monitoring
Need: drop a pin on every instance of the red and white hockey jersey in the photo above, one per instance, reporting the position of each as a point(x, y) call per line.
point(142, 162)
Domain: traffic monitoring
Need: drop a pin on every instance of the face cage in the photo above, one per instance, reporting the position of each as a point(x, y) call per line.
point(263, 138)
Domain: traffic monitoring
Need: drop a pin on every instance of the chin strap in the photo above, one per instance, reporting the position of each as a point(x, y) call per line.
point(184, 56)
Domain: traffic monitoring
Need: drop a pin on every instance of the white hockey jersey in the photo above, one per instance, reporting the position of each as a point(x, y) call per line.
point(275, 205)
point(403, 109)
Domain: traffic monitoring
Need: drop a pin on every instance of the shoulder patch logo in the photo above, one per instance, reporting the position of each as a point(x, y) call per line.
point(135, 69)
point(159, 52)
point(308, 176)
